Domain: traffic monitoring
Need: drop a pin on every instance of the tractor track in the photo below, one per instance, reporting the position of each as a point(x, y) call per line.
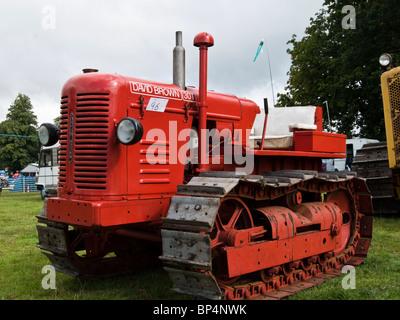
point(187, 232)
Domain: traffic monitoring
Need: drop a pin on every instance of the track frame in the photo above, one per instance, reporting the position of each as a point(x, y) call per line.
point(196, 274)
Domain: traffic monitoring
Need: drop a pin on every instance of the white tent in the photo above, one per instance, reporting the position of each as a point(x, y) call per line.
point(31, 170)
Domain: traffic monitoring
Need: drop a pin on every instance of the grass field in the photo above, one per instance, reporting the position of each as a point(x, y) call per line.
point(21, 266)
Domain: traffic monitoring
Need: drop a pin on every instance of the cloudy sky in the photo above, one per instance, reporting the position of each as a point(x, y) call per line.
point(44, 43)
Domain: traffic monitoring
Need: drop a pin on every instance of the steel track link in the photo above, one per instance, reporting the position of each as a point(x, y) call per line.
point(187, 253)
point(371, 162)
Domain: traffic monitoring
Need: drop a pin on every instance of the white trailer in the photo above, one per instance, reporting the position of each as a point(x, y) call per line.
point(48, 171)
point(352, 145)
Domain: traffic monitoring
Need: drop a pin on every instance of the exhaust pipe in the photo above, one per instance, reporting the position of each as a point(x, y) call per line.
point(179, 62)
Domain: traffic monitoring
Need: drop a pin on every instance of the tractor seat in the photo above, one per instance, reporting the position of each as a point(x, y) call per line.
point(281, 123)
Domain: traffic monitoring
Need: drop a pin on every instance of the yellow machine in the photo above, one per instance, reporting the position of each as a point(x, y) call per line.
point(379, 163)
point(390, 83)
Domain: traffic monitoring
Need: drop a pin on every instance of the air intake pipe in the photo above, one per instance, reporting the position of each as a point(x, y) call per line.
point(203, 41)
point(179, 62)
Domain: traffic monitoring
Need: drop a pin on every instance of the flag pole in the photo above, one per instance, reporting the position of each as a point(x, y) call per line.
point(270, 74)
point(259, 50)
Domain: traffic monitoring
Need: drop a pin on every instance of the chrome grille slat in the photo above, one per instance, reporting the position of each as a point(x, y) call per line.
point(90, 143)
point(91, 134)
point(62, 173)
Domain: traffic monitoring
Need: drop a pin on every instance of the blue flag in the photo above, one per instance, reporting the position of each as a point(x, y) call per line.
point(259, 50)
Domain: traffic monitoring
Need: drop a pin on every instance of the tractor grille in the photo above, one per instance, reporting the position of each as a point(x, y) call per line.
point(62, 171)
point(84, 140)
point(394, 95)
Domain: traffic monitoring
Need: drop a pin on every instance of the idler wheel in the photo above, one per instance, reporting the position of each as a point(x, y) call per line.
point(233, 215)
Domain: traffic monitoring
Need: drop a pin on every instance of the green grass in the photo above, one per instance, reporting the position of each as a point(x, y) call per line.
point(21, 264)
point(378, 278)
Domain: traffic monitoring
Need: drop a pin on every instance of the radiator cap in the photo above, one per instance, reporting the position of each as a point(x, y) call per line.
point(88, 70)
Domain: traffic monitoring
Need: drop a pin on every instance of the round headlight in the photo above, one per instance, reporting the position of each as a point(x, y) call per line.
point(129, 131)
point(48, 134)
point(385, 60)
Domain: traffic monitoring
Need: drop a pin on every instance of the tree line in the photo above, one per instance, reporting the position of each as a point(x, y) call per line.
point(336, 64)
point(19, 144)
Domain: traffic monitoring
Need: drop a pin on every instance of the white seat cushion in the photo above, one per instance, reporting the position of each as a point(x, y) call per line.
point(280, 125)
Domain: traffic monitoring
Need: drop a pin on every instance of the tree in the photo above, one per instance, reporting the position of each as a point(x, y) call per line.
point(337, 62)
point(18, 150)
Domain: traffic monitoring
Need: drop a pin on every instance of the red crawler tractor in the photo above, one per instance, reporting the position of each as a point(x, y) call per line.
point(152, 171)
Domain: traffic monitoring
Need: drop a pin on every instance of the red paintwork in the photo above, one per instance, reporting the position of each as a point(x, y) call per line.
point(107, 183)
point(103, 183)
point(286, 236)
point(318, 141)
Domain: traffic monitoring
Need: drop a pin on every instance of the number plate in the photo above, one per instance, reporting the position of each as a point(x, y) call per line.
point(156, 104)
